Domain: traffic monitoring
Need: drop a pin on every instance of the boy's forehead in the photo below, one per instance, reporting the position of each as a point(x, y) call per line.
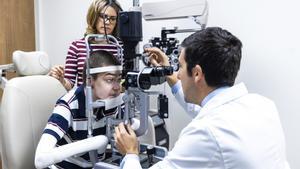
point(113, 73)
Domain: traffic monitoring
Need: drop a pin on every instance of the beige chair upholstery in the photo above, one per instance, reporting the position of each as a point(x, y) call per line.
point(27, 103)
point(31, 63)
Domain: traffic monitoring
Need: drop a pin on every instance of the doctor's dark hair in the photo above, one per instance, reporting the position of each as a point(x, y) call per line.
point(100, 58)
point(217, 52)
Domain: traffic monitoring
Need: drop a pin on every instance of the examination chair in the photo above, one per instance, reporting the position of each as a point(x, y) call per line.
point(27, 103)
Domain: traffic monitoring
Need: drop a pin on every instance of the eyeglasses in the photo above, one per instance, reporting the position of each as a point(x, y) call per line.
point(111, 19)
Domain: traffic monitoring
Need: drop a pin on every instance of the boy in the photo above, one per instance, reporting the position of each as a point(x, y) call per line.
point(68, 122)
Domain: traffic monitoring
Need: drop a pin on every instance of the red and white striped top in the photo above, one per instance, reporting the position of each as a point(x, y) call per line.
point(76, 58)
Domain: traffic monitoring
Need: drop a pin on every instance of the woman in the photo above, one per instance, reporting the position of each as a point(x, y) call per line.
point(68, 123)
point(101, 19)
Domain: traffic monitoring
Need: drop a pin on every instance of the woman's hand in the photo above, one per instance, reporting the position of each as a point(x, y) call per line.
point(58, 72)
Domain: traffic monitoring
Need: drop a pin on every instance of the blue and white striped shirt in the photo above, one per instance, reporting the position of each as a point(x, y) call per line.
point(68, 122)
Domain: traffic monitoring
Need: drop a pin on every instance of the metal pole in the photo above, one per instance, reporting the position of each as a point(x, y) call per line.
point(136, 3)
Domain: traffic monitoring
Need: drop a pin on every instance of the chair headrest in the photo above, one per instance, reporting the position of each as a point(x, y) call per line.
point(31, 63)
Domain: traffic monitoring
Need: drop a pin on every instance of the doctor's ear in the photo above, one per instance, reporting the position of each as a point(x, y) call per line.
point(197, 73)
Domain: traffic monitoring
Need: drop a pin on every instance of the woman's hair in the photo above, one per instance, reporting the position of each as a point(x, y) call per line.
point(93, 14)
point(100, 58)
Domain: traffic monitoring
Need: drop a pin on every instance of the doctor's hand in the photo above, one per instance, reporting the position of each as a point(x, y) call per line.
point(126, 140)
point(157, 57)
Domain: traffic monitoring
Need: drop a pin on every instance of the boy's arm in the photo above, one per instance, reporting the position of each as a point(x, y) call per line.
point(47, 154)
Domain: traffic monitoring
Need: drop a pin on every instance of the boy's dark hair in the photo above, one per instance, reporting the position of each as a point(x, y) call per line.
point(100, 58)
point(217, 51)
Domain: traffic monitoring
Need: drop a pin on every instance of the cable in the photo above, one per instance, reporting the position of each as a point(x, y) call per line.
point(105, 32)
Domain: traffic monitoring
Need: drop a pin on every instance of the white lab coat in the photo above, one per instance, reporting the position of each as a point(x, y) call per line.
point(233, 130)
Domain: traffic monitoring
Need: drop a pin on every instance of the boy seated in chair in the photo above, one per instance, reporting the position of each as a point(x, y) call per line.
point(68, 122)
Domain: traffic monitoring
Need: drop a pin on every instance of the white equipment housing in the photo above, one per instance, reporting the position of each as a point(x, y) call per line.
point(176, 9)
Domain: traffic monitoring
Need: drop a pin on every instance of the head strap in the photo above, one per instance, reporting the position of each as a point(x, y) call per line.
point(105, 69)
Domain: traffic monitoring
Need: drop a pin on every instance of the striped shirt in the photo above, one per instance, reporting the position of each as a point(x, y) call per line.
point(76, 58)
point(68, 122)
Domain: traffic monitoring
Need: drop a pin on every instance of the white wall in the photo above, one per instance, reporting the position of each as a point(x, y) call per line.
point(58, 23)
point(267, 28)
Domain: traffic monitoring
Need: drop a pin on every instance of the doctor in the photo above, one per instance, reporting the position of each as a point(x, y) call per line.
point(234, 129)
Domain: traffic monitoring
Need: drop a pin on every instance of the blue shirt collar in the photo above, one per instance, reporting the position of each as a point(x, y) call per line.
point(212, 94)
